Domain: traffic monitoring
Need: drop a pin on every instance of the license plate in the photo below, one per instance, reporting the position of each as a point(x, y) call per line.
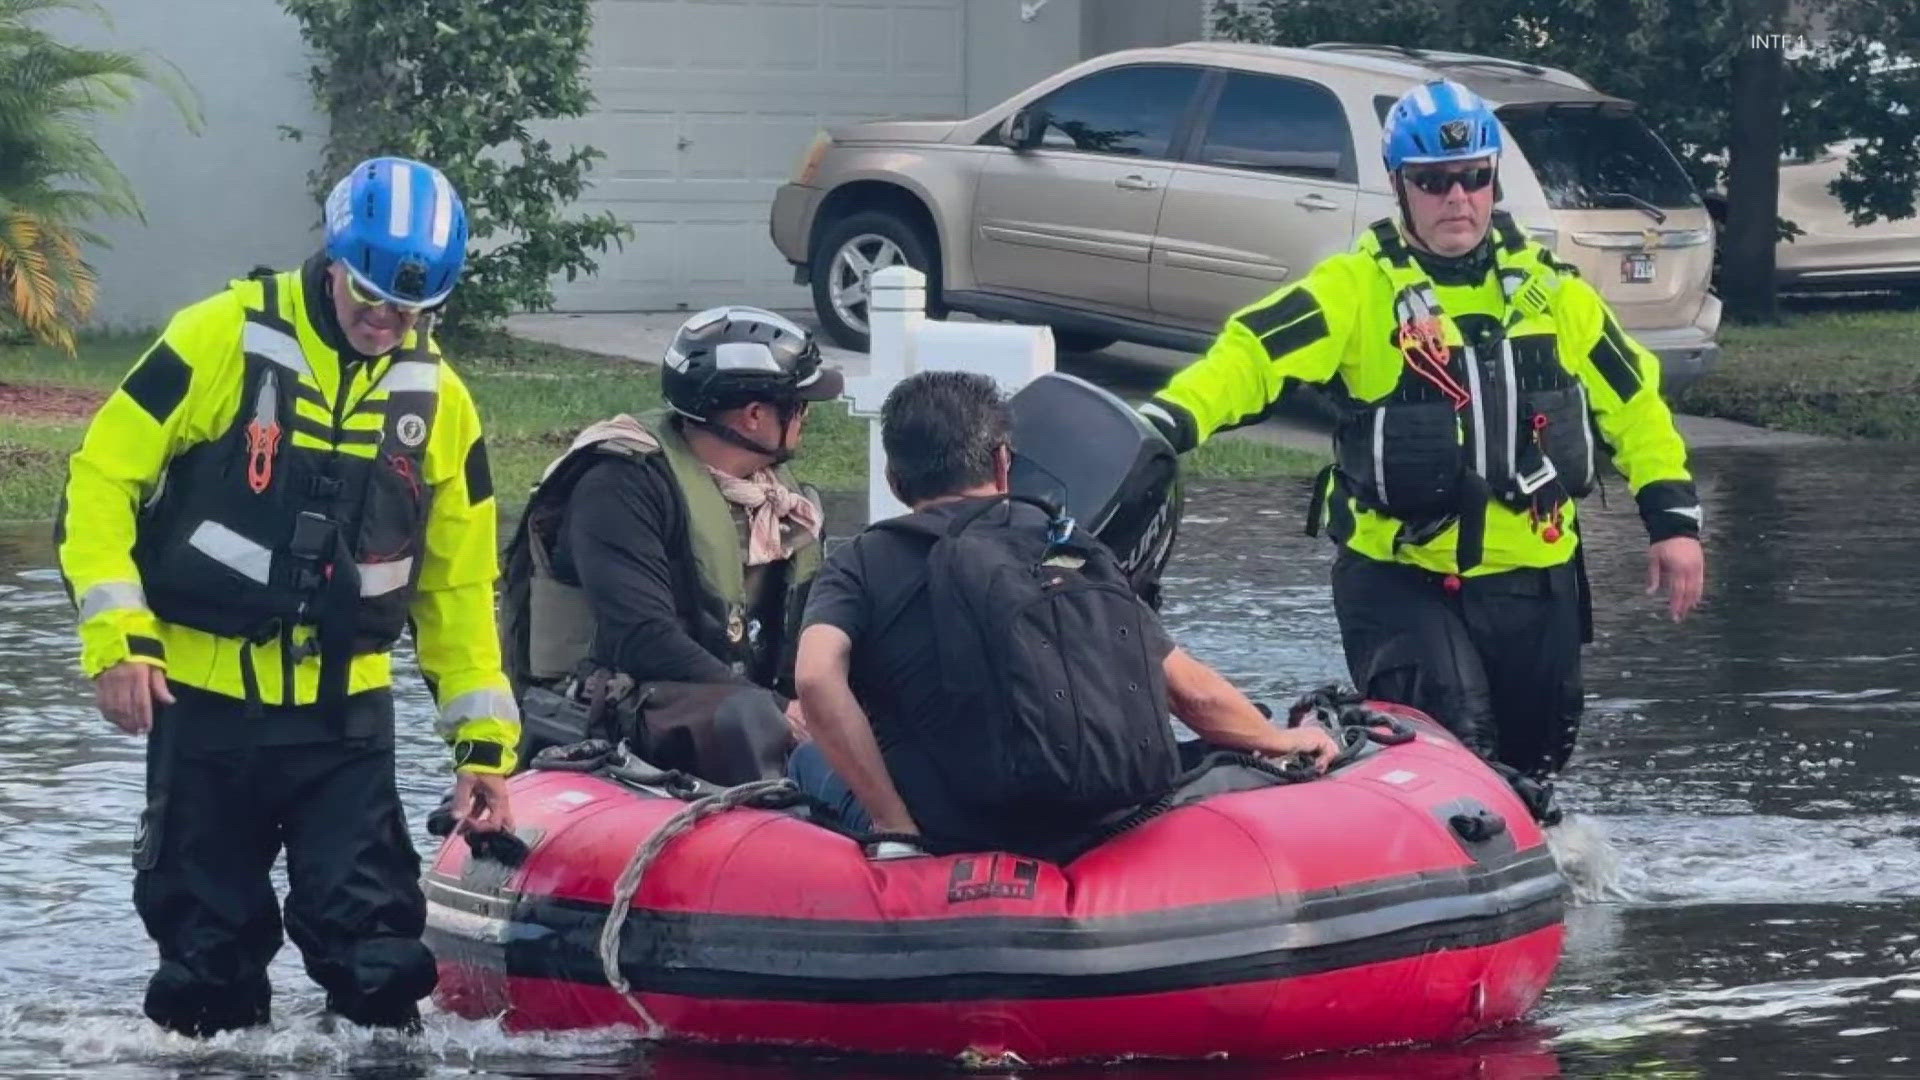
point(1637, 267)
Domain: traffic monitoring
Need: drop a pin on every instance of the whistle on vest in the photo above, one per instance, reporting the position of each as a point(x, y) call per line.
point(1530, 481)
point(1553, 519)
point(263, 436)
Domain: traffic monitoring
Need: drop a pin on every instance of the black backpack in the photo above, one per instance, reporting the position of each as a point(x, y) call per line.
point(1055, 708)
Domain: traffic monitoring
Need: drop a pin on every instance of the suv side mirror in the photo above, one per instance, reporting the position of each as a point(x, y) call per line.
point(1024, 129)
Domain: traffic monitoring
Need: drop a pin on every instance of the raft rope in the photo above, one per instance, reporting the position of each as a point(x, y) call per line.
point(1343, 711)
point(1338, 708)
point(759, 794)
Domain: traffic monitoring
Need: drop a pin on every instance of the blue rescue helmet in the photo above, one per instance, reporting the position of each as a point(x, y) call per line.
point(1439, 120)
point(400, 230)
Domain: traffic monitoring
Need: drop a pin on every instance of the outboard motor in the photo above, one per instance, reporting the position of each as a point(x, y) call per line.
point(1079, 446)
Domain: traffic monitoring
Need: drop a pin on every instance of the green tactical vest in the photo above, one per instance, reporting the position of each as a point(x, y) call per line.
point(548, 624)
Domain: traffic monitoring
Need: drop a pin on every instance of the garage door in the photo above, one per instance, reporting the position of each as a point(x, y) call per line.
point(704, 106)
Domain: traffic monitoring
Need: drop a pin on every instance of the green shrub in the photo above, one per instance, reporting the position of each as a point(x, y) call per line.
point(458, 84)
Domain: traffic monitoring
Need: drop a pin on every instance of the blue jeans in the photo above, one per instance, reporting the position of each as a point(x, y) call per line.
point(807, 767)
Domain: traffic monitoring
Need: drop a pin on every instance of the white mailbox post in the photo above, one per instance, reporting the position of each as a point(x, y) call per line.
point(904, 342)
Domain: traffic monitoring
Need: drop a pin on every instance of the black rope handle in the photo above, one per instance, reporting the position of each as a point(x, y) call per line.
point(585, 756)
point(502, 847)
point(1342, 708)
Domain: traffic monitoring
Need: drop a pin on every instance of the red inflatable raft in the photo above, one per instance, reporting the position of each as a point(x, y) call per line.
point(1406, 896)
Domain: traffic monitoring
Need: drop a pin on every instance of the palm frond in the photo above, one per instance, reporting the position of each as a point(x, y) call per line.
point(15, 277)
point(20, 9)
point(79, 285)
point(55, 177)
point(45, 279)
point(22, 232)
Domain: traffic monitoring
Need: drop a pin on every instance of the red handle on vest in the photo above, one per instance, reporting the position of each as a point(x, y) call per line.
point(261, 443)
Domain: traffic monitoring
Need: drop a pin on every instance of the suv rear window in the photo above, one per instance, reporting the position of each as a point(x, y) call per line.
point(1583, 154)
point(1278, 125)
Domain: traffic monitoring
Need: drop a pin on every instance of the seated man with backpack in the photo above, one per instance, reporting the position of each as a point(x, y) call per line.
point(980, 671)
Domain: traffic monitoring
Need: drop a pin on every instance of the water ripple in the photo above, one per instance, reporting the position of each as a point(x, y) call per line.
point(1746, 799)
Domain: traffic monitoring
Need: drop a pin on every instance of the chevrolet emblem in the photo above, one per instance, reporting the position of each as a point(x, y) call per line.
point(1649, 239)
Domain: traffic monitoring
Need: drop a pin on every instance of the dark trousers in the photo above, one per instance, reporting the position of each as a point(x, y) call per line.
point(225, 793)
point(723, 733)
point(1497, 661)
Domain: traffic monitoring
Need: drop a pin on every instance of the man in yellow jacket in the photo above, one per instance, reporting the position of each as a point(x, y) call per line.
point(1471, 370)
point(289, 479)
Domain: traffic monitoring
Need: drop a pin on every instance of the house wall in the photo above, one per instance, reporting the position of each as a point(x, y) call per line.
point(219, 202)
point(235, 195)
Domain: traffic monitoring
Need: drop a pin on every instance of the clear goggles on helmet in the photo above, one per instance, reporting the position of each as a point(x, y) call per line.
point(364, 294)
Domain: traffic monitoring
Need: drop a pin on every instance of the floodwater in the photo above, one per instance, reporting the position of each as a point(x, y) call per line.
point(1747, 798)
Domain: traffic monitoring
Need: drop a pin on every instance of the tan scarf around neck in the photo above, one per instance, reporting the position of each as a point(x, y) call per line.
point(767, 502)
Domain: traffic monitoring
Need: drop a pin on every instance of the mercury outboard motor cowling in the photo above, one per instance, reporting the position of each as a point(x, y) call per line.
point(1081, 447)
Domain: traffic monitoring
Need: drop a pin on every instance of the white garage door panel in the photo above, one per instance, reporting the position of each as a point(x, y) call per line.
point(704, 107)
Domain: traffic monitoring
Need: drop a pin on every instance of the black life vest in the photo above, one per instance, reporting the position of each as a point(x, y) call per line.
point(287, 520)
point(1497, 417)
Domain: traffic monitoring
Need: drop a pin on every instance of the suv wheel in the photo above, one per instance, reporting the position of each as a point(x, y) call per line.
point(844, 264)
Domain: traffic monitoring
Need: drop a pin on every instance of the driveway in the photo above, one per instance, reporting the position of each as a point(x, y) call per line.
point(1131, 371)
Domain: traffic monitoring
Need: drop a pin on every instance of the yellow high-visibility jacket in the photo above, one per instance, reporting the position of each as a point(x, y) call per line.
point(187, 429)
point(1533, 367)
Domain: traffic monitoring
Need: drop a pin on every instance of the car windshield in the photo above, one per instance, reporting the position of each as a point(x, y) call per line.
point(1593, 159)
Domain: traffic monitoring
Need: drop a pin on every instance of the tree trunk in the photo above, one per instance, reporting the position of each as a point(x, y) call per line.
point(1753, 164)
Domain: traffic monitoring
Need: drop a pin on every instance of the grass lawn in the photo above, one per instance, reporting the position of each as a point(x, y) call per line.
point(45, 402)
point(1831, 368)
point(533, 398)
point(1847, 368)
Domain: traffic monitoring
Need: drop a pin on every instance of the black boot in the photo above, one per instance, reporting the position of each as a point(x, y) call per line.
point(403, 1017)
point(1536, 793)
point(199, 1012)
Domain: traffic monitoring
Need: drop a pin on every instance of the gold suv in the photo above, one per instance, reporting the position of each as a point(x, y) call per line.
point(1144, 195)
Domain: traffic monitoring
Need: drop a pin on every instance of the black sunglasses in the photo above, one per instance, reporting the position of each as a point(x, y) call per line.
point(1439, 181)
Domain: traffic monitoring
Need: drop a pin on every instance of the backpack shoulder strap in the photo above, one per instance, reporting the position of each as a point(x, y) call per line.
point(928, 525)
point(1055, 514)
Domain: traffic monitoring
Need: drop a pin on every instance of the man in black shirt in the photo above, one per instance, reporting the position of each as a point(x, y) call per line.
point(663, 562)
point(868, 667)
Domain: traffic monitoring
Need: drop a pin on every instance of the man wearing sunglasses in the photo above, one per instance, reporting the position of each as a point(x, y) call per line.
point(288, 480)
point(656, 581)
point(1473, 373)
